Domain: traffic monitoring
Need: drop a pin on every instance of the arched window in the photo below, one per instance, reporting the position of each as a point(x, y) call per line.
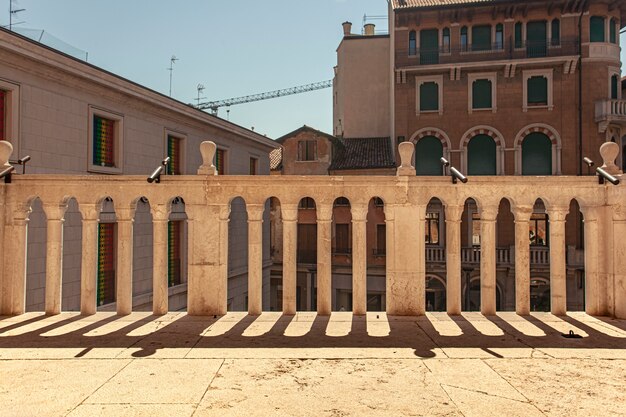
point(464, 41)
point(536, 155)
point(445, 40)
point(555, 39)
point(499, 36)
point(596, 29)
point(613, 31)
point(481, 156)
point(412, 43)
point(428, 151)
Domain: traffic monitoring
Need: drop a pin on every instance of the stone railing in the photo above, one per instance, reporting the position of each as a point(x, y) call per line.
point(208, 200)
point(610, 110)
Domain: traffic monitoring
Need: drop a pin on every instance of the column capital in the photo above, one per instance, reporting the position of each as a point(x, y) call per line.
point(390, 212)
point(225, 213)
point(89, 211)
point(289, 212)
point(488, 213)
point(160, 212)
point(54, 211)
point(557, 213)
point(125, 214)
point(255, 212)
point(453, 213)
point(359, 212)
point(590, 213)
point(522, 213)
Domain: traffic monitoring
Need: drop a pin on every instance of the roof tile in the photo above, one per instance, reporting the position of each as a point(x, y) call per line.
point(412, 4)
point(363, 153)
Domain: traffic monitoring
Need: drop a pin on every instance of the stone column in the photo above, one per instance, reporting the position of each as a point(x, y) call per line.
point(15, 260)
point(124, 267)
point(54, 257)
point(390, 270)
point(558, 268)
point(160, 287)
point(593, 296)
point(89, 262)
point(221, 285)
point(522, 259)
point(324, 260)
point(453, 259)
point(290, 250)
point(255, 258)
point(359, 259)
point(488, 216)
point(619, 259)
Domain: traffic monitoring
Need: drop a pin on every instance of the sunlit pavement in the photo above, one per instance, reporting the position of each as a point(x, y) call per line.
point(309, 365)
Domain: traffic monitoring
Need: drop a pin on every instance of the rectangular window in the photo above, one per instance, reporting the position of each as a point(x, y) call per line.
point(3, 114)
point(342, 239)
point(174, 149)
point(446, 40)
point(538, 232)
point(307, 150)
point(613, 31)
point(429, 96)
point(254, 166)
point(432, 228)
point(596, 29)
point(614, 87)
point(538, 91)
point(103, 142)
point(464, 39)
point(174, 252)
point(556, 32)
point(106, 263)
point(381, 239)
point(482, 94)
point(499, 36)
point(220, 161)
point(481, 38)
point(518, 35)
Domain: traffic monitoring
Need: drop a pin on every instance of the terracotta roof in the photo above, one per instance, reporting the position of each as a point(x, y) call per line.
point(414, 4)
point(305, 128)
point(276, 159)
point(363, 153)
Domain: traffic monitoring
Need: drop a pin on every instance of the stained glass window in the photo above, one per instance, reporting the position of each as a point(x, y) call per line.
point(106, 263)
point(174, 152)
point(174, 250)
point(103, 142)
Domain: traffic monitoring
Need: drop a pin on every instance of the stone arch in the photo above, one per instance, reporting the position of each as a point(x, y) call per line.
point(435, 294)
point(491, 132)
point(551, 133)
point(433, 131)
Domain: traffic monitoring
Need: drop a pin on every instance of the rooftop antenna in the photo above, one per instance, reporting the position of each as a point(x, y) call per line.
point(200, 89)
point(173, 60)
point(228, 115)
point(12, 12)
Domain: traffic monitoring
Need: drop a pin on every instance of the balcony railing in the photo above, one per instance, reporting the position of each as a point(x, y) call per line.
point(489, 52)
point(610, 110)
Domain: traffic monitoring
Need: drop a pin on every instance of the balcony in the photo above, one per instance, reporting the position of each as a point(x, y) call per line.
point(483, 53)
point(610, 111)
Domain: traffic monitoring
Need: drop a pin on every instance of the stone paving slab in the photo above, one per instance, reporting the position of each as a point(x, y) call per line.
point(305, 365)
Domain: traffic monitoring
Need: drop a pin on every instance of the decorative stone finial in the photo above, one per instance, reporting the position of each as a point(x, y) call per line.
point(6, 149)
point(207, 150)
point(609, 152)
point(406, 168)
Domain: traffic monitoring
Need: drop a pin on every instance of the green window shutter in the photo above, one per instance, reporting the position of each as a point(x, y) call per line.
point(536, 39)
point(428, 151)
point(481, 94)
point(106, 264)
point(429, 96)
point(556, 32)
point(536, 155)
point(518, 35)
point(429, 47)
point(174, 245)
point(596, 29)
point(481, 156)
point(481, 38)
point(613, 32)
point(537, 91)
point(614, 87)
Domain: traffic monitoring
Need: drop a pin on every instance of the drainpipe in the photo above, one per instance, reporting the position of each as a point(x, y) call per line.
point(580, 92)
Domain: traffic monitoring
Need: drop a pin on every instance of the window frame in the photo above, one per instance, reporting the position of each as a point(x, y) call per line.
point(555, 42)
point(464, 42)
point(347, 250)
point(615, 72)
point(499, 44)
point(306, 156)
point(546, 73)
point(493, 78)
point(12, 113)
point(254, 165)
point(223, 168)
point(432, 218)
point(438, 79)
point(182, 139)
point(118, 146)
point(413, 43)
point(446, 34)
point(604, 34)
point(613, 31)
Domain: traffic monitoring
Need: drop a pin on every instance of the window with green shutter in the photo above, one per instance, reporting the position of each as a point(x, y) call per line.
point(429, 47)
point(537, 91)
point(556, 33)
point(596, 29)
point(482, 94)
point(518, 35)
point(481, 38)
point(481, 156)
point(103, 142)
point(613, 31)
point(536, 155)
point(429, 96)
point(428, 152)
point(174, 153)
point(614, 87)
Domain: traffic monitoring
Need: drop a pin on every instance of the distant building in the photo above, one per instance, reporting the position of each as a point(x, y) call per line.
point(73, 117)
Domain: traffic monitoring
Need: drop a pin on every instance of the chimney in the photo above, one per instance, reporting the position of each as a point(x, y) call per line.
point(369, 29)
point(347, 28)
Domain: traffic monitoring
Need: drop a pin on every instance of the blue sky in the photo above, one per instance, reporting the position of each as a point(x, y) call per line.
point(234, 48)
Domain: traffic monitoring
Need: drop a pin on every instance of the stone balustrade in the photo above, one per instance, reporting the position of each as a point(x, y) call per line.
point(208, 198)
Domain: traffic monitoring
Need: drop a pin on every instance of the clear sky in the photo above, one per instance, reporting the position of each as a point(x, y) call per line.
point(232, 47)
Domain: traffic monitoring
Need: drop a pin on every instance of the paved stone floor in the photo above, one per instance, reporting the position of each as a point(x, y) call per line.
point(305, 365)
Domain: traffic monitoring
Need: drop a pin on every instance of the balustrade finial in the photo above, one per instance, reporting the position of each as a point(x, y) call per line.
point(207, 150)
point(609, 152)
point(6, 149)
point(406, 150)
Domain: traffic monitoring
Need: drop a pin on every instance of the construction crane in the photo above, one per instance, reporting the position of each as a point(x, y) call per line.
point(215, 105)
